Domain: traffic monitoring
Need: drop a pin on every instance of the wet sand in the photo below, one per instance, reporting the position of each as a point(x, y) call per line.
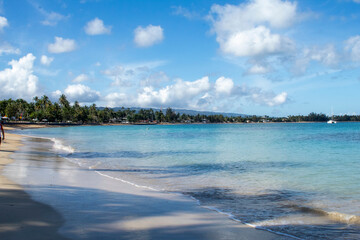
point(70, 202)
point(21, 217)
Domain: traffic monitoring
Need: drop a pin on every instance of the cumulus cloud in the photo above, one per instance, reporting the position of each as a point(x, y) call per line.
point(182, 93)
point(81, 93)
point(6, 48)
point(255, 42)
point(62, 45)
point(269, 98)
point(117, 99)
point(148, 36)
point(45, 60)
point(227, 92)
point(244, 30)
point(19, 80)
point(97, 27)
point(224, 85)
point(260, 96)
point(199, 94)
point(3, 23)
point(80, 78)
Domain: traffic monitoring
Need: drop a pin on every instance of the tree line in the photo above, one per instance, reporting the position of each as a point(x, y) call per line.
point(44, 110)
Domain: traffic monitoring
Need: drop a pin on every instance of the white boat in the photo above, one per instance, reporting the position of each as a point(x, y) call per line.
point(331, 121)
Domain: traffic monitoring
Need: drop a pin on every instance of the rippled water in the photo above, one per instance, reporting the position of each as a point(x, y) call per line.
point(298, 179)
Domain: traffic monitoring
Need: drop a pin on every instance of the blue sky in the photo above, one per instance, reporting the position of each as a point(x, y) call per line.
point(272, 57)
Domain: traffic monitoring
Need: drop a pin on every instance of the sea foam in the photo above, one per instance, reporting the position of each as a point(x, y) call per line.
point(59, 146)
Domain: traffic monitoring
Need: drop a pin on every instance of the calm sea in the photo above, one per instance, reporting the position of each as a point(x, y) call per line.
point(299, 179)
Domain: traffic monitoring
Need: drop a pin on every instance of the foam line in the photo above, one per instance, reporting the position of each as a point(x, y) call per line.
point(124, 181)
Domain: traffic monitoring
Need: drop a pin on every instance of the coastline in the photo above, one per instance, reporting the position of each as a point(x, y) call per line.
point(136, 213)
point(21, 217)
point(21, 126)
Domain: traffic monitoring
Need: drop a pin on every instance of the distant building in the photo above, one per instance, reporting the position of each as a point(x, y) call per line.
point(124, 120)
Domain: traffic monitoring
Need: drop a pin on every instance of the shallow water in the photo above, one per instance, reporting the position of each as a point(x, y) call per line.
point(298, 179)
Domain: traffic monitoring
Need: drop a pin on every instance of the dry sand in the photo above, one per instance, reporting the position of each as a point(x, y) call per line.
point(90, 206)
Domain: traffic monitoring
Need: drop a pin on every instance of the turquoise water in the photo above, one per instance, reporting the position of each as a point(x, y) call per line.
point(298, 179)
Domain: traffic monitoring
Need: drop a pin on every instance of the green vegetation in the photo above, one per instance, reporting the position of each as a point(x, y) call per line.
point(44, 110)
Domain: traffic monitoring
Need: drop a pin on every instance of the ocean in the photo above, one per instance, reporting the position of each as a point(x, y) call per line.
point(297, 179)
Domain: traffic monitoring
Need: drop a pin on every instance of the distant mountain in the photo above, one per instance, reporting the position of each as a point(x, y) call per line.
point(186, 111)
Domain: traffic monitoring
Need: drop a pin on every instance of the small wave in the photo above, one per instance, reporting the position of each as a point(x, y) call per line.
point(59, 146)
point(334, 216)
point(344, 218)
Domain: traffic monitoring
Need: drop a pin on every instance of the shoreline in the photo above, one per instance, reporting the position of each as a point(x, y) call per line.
point(21, 126)
point(21, 217)
point(202, 221)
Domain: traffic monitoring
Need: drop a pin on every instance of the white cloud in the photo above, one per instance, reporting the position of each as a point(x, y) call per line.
point(45, 60)
point(80, 78)
point(224, 85)
point(148, 36)
point(56, 95)
point(117, 99)
point(244, 30)
point(279, 99)
point(254, 42)
point(19, 80)
point(258, 69)
point(81, 93)
point(259, 96)
point(62, 45)
point(3, 23)
point(180, 94)
point(352, 46)
point(198, 94)
point(232, 93)
point(326, 55)
point(97, 27)
point(6, 48)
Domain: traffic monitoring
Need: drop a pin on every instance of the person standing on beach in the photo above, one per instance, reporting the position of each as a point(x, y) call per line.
point(2, 133)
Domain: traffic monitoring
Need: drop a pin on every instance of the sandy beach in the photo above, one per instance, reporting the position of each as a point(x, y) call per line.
point(43, 196)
